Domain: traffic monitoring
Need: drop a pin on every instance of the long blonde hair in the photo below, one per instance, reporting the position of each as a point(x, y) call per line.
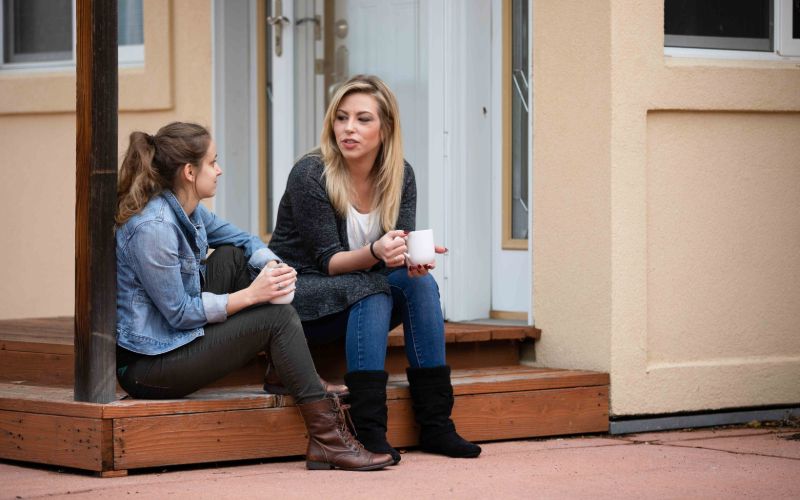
point(389, 165)
point(153, 161)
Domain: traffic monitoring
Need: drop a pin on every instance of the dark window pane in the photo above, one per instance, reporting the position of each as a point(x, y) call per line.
point(725, 24)
point(728, 18)
point(37, 30)
point(130, 26)
point(796, 19)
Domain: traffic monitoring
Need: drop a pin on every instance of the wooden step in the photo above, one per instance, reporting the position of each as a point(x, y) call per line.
point(469, 345)
point(43, 424)
point(40, 351)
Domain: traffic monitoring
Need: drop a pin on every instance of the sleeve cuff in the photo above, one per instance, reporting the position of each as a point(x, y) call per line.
point(259, 259)
point(215, 307)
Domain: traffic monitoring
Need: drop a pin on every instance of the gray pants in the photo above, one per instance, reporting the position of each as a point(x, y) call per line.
point(226, 346)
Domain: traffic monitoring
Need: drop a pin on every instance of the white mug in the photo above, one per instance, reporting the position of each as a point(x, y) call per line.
point(420, 247)
point(283, 299)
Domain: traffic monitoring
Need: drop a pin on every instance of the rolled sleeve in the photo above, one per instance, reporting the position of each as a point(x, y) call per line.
point(259, 259)
point(215, 307)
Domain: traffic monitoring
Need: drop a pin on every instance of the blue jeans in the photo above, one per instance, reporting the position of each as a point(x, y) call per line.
point(366, 324)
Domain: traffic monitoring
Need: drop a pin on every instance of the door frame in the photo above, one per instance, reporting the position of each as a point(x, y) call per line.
point(238, 69)
point(504, 257)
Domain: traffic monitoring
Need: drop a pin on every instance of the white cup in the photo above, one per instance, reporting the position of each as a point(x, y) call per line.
point(283, 299)
point(420, 247)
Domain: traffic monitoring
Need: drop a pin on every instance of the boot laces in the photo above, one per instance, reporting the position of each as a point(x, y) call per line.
point(345, 424)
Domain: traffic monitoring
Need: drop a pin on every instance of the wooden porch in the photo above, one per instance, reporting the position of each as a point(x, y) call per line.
point(58, 403)
point(496, 398)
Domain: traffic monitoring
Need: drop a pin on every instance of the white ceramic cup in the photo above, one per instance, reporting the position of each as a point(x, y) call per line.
point(283, 299)
point(420, 247)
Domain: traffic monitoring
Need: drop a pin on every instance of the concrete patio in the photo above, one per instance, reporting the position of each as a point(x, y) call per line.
point(736, 462)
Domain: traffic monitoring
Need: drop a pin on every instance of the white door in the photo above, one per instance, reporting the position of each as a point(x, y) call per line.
point(321, 49)
point(438, 57)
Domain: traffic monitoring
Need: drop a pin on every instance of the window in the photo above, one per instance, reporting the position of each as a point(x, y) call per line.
point(41, 33)
point(757, 26)
point(37, 30)
point(517, 119)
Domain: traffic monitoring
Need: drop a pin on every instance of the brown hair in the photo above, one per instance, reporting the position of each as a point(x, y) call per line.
point(389, 166)
point(153, 161)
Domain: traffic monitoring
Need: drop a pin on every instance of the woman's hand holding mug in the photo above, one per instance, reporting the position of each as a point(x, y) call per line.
point(275, 284)
point(421, 252)
point(391, 248)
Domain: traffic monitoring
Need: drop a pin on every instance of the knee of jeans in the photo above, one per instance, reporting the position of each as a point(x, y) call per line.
point(286, 316)
point(423, 285)
point(427, 281)
point(376, 302)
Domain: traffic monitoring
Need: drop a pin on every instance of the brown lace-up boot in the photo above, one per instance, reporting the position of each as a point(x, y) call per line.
point(330, 442)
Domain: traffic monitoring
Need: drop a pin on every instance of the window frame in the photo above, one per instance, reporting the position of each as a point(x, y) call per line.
point(127, 55)
point(53, 61)
point(508, 241)
point(789, 47)
point(783, 48)
point(141, 88)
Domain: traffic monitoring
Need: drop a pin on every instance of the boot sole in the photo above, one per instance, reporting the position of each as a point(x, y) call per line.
point(327, 466)
point(435, 451)
point(280, 390)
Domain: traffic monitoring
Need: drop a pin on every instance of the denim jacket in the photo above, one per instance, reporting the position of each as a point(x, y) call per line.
point(160, 257)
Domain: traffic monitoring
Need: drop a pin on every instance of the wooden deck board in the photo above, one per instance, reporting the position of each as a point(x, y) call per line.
point(46, 400)
point(53, 335)
point(210, 400)
point(56, 335)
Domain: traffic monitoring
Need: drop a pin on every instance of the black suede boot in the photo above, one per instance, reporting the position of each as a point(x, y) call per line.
point(368, 409)
point(432, 396)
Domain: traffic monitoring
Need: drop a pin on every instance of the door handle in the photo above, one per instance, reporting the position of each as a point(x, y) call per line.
point(277, 21)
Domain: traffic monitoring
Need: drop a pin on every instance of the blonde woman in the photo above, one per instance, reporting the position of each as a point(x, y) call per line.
point(184, 321)
point(342, 224)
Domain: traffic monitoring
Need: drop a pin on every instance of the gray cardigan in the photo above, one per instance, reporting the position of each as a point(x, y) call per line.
point(308, 233)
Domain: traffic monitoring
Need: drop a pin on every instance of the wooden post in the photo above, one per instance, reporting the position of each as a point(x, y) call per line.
point(96, 188)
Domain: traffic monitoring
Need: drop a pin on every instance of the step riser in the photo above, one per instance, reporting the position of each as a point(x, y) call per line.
point(459, 355)
point(150, 441)
point(37, 368)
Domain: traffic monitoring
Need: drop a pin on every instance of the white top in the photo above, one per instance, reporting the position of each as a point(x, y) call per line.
point(362, 229)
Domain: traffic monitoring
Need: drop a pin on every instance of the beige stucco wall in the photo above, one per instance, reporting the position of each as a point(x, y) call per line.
point(37, 137)
point(699, 219)
point(571, 183)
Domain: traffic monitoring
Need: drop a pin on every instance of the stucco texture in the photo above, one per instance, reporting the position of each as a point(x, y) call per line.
point(670, 257)
point(571, 183)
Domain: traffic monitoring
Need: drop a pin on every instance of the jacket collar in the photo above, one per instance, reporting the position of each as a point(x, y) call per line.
point(188, 225)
